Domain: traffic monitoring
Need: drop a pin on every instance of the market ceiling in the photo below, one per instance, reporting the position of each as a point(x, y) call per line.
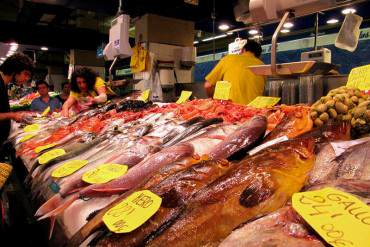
point(84, 24)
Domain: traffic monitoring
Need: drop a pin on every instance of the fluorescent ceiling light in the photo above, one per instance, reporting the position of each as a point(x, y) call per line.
point(257, 37)
point(332, 21)
point(285, 31)
point(229, 33)
point(253, 31)
point(288, 24)
point(44, 48)
point(196, 42)
point(13, 44)
point(13, 48)
point(348, 11)
point(216, 37)
point(224, 27)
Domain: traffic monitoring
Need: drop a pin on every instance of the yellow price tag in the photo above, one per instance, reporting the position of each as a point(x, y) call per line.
point(359, 78)
point(68, 168)
point(42, 148)
point(340, 218)
point(46, 111)
point(222, 90)
point(31, 128)
point(263, 102)
point(26, 137)
point(145, 95)
point(50, 155)
point(185, 95)
point(132, 212)
point(104, 173)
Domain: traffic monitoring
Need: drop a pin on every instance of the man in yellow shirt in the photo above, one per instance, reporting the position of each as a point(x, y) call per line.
point(245, 85)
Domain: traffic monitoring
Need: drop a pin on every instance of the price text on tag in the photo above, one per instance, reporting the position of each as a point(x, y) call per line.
point(145, 95)
point(340, 218)
point(185, 95)
point(68, 168)
point(50, 155)
point(222, 90)
point(42, 148)
point(359, 78)
point(104, 173)
point(31, 128)
point(132, 212)
point(263, 102)
point(26, 137)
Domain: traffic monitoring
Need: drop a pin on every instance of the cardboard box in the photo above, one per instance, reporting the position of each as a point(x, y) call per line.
point(164, 30)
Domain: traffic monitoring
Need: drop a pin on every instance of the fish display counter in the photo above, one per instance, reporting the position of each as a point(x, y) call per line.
point(202, 173)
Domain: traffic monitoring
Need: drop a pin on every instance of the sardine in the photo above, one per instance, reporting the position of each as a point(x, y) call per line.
point(257, 185)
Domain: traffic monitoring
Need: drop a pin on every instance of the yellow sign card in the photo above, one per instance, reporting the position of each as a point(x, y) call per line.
point(31, 128)
point(359, 78)
point(50, 155)
point(222, 90)
point(132, 212)
point(145, 95)
point(185, 95)
point(26, 137)
point(340, 218)
point(68, 168)
point(42, 148)
point(104, 173)
point(46, 111)
point(263, 102)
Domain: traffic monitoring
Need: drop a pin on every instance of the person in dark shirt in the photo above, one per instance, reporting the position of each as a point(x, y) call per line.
point(66, 89)
point(17, 68)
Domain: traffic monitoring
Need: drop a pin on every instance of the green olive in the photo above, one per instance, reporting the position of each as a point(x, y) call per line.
point(324, 117)
point(314, 115)
point(321, 108)
point(347, 117)
point(330, 103)
point(333, 114)
point(359, 111)
point(318, 122)
point(354, 99)
point(341, 108)
point(353, 122)
point(365, 103)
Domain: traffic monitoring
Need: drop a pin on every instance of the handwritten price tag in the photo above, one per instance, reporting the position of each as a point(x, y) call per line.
point(145, 95)
point(340, 218)
point(31, 128)
point(222, 90)
point(68, 168)
point(104, 173)
point(42, 148)
point(132, 212)
point(50, 155)
point(359, 78)
point(263, 102)
point(185, 95)
point(26, 137)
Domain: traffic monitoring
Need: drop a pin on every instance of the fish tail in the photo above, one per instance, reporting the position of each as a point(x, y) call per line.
point(60, 207)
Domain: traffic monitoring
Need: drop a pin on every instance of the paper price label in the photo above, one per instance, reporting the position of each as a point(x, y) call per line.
point(50, 155)
point(340, 218)
point(104, 173)
point(68, 168)
point(42, 148)
point(263, 102)
point(31, 128)
point(185, 95)
point(132, 212)
point(26, 137)
point(359, 78)
point(46, 111)
point(145, 95)
point(222, 90)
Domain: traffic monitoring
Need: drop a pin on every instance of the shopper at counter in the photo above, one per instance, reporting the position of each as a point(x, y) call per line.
point(16, 68)
point(245, 85)
point(44, 101)
point(87, 88)
point(66, 90)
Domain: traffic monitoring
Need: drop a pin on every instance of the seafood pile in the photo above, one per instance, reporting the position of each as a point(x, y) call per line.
point(197, 157)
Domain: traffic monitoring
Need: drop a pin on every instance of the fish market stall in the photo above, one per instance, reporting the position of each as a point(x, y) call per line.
point(200, 162)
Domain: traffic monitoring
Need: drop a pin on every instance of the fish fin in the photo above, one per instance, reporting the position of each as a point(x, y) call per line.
point(50, 205)
point(52, 224)
point(60, 209)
